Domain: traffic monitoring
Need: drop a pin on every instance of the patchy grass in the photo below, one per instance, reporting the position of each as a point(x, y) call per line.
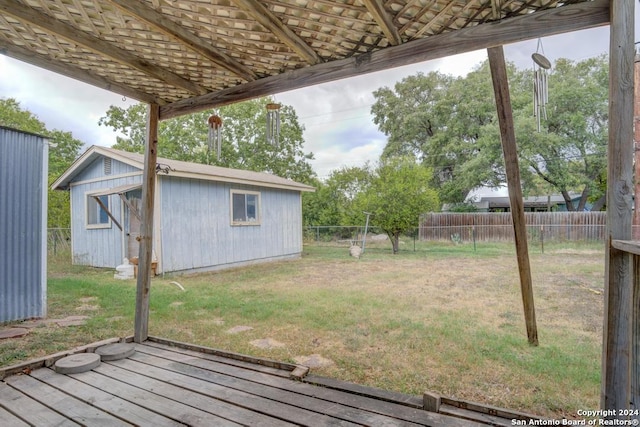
point(444, 318)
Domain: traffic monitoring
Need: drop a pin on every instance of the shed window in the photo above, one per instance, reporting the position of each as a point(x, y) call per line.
point(96, 216)
point(245, 208)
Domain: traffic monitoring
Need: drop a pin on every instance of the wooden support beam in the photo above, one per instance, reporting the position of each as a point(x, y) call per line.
point(384, 20)
point(109, 214)
point(132, 209)
point(617, 331)
point(141, 329)
point(36, 18)
point(155, 19)
point(540, 24)
point(507, 132)
point(25, 55)
point(271, 22)
point(635, 337)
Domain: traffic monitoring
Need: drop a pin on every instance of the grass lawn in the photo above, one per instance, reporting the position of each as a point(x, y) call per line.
point(443, 318)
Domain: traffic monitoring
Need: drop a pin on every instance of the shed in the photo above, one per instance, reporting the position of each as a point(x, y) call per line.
point(207, 217)
point(23, 225)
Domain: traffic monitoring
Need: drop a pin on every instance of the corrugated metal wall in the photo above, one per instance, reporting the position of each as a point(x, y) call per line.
point(23, 222)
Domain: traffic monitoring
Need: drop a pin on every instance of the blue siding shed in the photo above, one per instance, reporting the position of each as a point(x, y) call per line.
point(23, 225)
point(206, 217)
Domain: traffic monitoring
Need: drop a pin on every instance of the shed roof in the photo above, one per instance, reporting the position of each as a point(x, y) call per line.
point(189, 55)
point(180, 169)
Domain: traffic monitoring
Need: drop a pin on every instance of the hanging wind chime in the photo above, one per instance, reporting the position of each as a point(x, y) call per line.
point(215, 135)
point(540, 84)
point(273, 123)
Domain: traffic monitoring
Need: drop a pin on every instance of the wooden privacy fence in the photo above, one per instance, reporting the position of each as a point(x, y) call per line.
point(492, 227)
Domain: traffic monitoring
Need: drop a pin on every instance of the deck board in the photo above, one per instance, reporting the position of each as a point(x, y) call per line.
point(107, 402)
point(30, 410)
point(64, 404)
point(297, 408)
point(336, 400)
point(169, 385)
point(197, 395)
point(10, 420)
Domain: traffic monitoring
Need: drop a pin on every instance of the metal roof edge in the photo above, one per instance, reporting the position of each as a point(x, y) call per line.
point(257, 183)
point(62, 183)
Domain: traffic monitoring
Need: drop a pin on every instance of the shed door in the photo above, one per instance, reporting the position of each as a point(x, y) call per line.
point(133, 244)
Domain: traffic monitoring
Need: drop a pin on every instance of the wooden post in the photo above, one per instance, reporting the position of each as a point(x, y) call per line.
point(141, 331)
point(616, 348)
point(431, 402)
point(635, 341)
point(636, 145)
point(507, 132)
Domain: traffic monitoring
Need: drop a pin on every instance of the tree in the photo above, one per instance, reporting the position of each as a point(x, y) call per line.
point(569, 154)
point(63, 151)
point(438, 119)
point(244, 142)
point(333, 201)
point(398, 192)
point(450, 125)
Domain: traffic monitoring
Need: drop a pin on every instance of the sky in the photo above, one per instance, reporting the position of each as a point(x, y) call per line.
point(339, 128)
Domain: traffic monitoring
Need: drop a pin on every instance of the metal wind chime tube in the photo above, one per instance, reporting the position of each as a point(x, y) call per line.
point(273, 123)
point(215, 134)
point(540, 84)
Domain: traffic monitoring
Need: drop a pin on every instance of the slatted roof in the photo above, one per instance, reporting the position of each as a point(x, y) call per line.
point(188, 55)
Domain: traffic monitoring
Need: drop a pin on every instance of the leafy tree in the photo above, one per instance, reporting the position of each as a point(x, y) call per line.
point(64, 150)
point(244, 142)
point(450, 125)
point(398, 192)
point(569, 154)
point(438, 119)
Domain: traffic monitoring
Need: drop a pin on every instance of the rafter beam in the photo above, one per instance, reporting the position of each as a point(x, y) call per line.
point(271, 22)
point(496, 9)
point(384, 20)
point(559, 20)
point(76, 73)
point(155, 19)
point(33, 17)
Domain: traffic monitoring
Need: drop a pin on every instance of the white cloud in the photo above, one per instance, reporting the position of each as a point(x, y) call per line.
point(60, 102)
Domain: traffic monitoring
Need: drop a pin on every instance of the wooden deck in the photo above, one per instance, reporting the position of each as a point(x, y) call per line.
point(168, 384)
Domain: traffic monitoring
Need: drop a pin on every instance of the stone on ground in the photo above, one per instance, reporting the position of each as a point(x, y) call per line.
point(13, 333)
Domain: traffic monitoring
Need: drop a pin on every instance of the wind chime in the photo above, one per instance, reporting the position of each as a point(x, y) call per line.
point(273, 123)
point(215, 134)
point(540, 85)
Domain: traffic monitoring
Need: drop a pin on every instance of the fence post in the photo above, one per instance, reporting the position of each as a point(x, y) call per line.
point(542, 238)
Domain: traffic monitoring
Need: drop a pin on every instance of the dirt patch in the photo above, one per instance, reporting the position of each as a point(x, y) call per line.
point(267, 343)
point(239, 329)
point(88, 307)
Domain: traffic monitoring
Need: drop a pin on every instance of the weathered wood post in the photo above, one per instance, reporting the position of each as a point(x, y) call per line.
point(141, 329)
point(508, 137)
point(616, 348)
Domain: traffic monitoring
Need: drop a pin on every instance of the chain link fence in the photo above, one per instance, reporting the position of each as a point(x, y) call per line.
point(58, 240)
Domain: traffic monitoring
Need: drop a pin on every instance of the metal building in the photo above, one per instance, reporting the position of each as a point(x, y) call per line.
point(23, 225)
